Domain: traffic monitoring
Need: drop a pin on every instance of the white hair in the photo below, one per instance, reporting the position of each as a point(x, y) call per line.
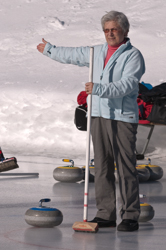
point(118, 17)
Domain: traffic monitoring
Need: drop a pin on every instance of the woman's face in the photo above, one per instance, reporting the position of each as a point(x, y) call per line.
point(113, 33)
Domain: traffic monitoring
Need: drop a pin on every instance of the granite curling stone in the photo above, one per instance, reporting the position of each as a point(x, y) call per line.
point(143, 173)
point(156, 172)
point(147, 212)
point(68, 173)
point(43, 216)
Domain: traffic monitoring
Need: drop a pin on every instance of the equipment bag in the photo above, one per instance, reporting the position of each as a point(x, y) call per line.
point(80, 118)
point(144, 110)
point(158, 112)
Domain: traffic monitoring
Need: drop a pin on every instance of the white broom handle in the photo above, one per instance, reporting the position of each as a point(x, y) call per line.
point(86, 188)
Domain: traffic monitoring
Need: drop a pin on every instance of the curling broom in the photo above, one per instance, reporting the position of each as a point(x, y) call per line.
point(85, 226)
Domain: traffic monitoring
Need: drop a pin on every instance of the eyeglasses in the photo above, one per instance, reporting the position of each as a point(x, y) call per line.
point(113, 30)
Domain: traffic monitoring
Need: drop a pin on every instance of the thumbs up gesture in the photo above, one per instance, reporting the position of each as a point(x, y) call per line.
point(41, 46)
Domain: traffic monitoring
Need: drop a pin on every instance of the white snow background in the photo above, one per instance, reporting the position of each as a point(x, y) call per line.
point(38, 96)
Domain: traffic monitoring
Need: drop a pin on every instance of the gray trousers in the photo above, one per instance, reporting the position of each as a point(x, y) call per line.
point(115, 141)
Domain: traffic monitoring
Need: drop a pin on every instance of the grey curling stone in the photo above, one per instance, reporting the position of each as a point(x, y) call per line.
point(68, 173)
point(147, 212)
point(43, 216)
point(143, 173)
point(156, 172)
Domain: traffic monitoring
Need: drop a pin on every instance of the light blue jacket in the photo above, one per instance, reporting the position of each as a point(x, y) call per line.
point(115, 89)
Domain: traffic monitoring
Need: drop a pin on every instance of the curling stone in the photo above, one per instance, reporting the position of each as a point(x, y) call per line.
point(156, 172)
point(43, 216)
point(143, 173)
point(91, 171)
point(68, 173)
point(147, 212)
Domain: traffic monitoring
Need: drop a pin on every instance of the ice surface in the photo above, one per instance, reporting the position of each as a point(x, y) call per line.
point(38, 95)
point(20, 193)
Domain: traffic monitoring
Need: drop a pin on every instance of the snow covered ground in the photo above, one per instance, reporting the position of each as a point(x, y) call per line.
point(39, 95)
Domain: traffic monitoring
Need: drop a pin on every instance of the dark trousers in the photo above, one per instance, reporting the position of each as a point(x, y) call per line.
point(115, 142)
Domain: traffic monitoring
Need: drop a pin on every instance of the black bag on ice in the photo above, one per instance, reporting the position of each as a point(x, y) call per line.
point(158, 112)
point(80, 118)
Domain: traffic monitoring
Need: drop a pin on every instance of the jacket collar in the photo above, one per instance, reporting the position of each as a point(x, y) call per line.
point(117, 53)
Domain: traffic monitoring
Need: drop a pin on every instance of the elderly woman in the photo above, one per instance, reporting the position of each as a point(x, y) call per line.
point(118, 67)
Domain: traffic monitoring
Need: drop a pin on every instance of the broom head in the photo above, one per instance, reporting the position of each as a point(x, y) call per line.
point(8, 164)
point(88, 227)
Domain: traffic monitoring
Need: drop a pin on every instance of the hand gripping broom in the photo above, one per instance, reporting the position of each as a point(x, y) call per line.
point(87, 226)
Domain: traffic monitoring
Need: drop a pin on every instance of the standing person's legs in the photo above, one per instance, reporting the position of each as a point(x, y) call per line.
point(124, 141)
point(104, 170)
